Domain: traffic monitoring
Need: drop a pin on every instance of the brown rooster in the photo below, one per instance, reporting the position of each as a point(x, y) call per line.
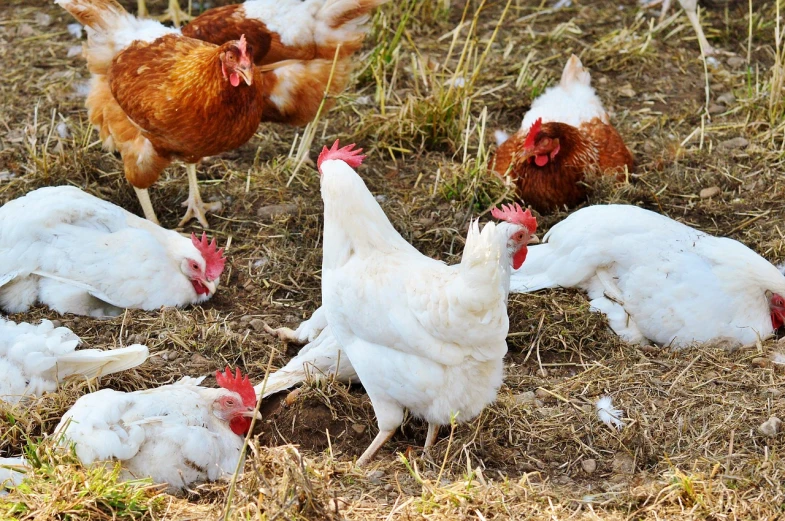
point(298, 40)
point(565, 136)
point(157, 96)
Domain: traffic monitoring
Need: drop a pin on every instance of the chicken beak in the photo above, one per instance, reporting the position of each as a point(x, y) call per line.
point(533, 239)
point(210, 285)
point(246, 73)
point(252, 413)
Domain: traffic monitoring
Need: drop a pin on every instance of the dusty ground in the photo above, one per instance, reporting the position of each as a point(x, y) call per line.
point(691, 448)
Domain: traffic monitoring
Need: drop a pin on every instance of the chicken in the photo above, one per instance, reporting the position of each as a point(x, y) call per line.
point(421, 335)
point(176, 434)
point(35, 358)
point(298, 40)
point(157, 96)
point(12, 472)
point(79, 254)
point(564, 136)
point(658, 280)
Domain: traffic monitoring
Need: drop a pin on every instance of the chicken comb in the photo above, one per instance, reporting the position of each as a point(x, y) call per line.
point(213, 257)
point(242, 45)
point(513, 213)
point(346, 154)
point(533, 131)
point(238, 384)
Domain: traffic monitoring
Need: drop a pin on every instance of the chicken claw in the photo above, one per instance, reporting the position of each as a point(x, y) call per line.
point(284, 333)
point(196, 207)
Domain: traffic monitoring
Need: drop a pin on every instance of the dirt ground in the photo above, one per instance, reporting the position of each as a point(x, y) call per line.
point(691, 448)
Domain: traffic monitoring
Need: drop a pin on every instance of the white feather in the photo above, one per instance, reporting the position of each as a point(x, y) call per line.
point(608, 414)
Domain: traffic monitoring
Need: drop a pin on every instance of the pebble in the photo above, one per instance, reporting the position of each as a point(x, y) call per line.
point(245, 319)
point(773, 392)
point(525, 398)
point(56, 323)
point(736, 61)
point(257, 324)
point(542, 394)
point(589, 465)
point(737, 142)
point(375, 477)
point(726, 99)
point(274, 210)
point(770, 427)
point(623, 463)
point(716, 108)
point(709, 192)
point(358, 428)
point(760, 362)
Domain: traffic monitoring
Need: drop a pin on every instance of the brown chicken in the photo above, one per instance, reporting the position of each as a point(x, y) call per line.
point(296, 39)
point(565, 136)
point(157, 96)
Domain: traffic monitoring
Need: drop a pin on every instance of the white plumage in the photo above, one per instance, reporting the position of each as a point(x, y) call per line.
point(79, 254)
point(35, 358)
point(176, 434)
point(12, 472)
point(608, 414)
point(657, 279)
point(421, 335)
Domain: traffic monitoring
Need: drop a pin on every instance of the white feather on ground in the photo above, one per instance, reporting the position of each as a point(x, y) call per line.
point(608, 414)
point(778, 358)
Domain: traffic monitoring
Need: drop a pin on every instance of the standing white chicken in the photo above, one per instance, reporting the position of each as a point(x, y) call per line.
point(176, 434)
point(35, 358)
point(657, 279)
point(421, 335)
point(79, 254)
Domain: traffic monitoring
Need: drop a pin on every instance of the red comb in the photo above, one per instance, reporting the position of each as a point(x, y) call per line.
point(238, 384)
point(513, 213)
point(213, 257)
point(533, 131)
point(242, 44)
point(346, 154)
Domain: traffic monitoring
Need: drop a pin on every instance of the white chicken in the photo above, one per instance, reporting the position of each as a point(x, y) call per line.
point(35, 358)
point(421, 335)
point(658, 280)
point(12, 472)
point(79, 254)
point(176, 434)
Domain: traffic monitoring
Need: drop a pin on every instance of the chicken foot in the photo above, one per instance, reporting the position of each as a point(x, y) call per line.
point(175, 14)
point(374, 447)
point(430, 438)
point(147, 206)
point(196, 207)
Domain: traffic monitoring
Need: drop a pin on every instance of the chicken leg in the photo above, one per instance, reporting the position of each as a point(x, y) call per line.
point(147, 206)
point(430, 438)
point(174, 13)
point(374, 447)
point(196, 207)
point(691, 9)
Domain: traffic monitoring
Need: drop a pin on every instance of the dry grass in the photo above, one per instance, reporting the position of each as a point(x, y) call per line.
point(435, 80)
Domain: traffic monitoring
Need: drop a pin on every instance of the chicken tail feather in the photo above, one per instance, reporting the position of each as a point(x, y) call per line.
point(574, 73)
point(92, 362)
point(99, 15)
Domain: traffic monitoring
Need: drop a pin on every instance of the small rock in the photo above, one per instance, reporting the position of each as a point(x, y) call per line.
point(25, 30)
point(735, 143)
point(726, 99)
point(623, 463)
point(257, 324)
point(736, 61)
point(358, 428)
point(43, 19)
point(525, 398)
point(542, 373)
point(245, 319)
point(716, 108)
point(375, 477)
point(770, 427)
point(542, 394)
point(56, 323)
point(773, 392)
point(268, 213)
point(589, 465)
point(707, 193)
point(197, 359)
point(760, 362)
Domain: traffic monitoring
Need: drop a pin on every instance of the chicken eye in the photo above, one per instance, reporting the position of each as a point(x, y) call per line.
point(545, 141)
point(194, 266)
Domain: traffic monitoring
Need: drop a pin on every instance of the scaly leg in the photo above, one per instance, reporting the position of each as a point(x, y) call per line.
point(147, 206)
point(175, 14)
point(284, 333)
point(691, 9)
point(430, 438)
point(141, 9)
point(196, 207)
point(374, 447)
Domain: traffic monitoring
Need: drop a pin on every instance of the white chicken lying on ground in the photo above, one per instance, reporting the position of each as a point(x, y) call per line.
point(79, 254)
point(420, 335)
point(657, 279)
point(176, 434)
point(35, 358)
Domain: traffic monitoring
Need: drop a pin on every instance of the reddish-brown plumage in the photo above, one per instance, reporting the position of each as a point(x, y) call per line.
point(173, 93)
point(571, 154)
